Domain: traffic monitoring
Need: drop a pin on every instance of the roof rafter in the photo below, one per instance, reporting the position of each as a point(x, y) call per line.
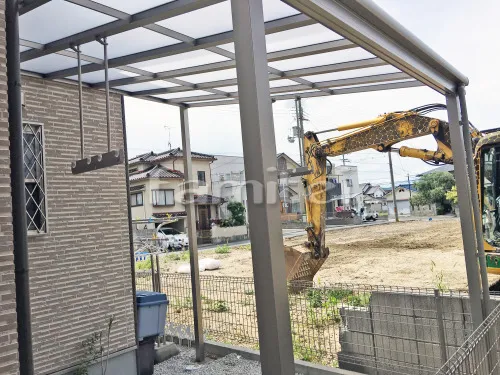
point(140, 19)
point(319, 85)
point(274, 26)
point(336, 45)
point(369, 26)
point(348, 90)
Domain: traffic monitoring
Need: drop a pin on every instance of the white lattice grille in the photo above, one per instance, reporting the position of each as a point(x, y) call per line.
point(34, 175)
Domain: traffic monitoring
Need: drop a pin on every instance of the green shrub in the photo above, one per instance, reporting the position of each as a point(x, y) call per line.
point(224, 249)
point(218, 306)
point(143, 265)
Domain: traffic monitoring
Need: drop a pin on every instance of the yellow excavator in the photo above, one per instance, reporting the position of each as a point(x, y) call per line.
point(381, 134)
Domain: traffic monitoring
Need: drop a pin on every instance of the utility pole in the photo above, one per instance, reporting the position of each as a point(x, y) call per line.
point(409, 183)
point(300, 133)
point(299, 115)
point(393, 188)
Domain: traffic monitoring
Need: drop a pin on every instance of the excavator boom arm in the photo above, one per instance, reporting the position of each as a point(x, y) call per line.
point(379, 134)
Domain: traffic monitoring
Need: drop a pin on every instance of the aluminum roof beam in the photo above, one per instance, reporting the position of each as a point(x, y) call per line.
point(336, 45)
point(274, 26)
point(290, 74)
point(140, 19)
point(89, 4)
point(324, 86)
point(343, 91)
point(370, 27)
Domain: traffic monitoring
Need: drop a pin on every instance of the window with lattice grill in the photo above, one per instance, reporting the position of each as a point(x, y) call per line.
point(34, 176)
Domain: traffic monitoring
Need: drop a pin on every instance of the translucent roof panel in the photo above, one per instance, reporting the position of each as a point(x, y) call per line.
point(187, 94)
point(49, 63)
point(183, 60)
point(299, 37)
point(23, 48)
point(128, 42)
point(146, 86)
point(322, 59)
point(57, 19)
point(282, 82)
point(353, 73)
point(275, 9)
point(94, 77)
point(132, 7)
point(210, 20)
point(372, 84)
point(211, 76)
point(228, 88)
point(302, 36)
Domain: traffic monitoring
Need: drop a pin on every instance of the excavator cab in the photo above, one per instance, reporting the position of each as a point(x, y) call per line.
point(488, 166)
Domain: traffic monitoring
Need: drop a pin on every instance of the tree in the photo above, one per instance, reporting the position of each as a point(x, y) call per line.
point(452, 195)
point(237, 210)
point(432, 188)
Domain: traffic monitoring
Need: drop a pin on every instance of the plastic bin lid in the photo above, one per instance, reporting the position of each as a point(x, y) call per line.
point(144, 297)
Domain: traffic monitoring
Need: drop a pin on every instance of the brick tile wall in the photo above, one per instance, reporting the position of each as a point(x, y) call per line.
point(8, 328)
point(80, 270)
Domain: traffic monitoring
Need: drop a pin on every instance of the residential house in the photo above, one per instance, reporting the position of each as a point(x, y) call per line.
point(343, 190)
point(373, 197)
point(228, 182)
point(403, 195)
point(157, 188)
point(291, 189)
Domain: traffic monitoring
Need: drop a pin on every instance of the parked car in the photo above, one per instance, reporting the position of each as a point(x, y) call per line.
point(370, 215)
point(171, 238)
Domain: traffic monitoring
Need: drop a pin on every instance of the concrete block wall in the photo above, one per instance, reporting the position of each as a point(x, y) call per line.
point(81, 269)
point(398, 333)
point(8, 327)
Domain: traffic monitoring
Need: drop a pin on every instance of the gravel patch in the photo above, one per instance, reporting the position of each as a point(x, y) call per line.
point(184, 363)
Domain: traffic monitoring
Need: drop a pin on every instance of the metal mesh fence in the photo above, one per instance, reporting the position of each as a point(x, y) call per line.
point(369, 329)
point(479, 353)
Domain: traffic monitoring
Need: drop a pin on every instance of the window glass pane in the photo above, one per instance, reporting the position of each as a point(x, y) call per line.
point(169, 197)
point(34, 177)
point(139, 199)
point(161, 198)
point(201, 178)
point(133, 200)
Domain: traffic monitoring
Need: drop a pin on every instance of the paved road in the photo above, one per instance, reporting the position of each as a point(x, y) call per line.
point(289, 233)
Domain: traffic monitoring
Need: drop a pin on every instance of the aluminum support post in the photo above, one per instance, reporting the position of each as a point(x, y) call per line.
point(466, 211)
point(193, 245)
point(80, 100)
point(104, 43)
point(259, 148)
point(475, 200)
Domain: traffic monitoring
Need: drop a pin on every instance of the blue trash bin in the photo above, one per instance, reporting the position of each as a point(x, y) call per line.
point(151, 313)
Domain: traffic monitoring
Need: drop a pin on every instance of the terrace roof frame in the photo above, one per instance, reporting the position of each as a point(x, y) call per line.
point(361, 23)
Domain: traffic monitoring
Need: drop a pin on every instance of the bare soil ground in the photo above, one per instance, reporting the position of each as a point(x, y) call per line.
point(413, 253)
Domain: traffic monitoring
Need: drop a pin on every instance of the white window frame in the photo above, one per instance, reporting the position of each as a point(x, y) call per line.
point(155, 198)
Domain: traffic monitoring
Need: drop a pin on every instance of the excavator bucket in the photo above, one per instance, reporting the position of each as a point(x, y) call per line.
point(300, 265)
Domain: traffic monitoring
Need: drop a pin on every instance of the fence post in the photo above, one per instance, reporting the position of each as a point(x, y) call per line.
point(158, 274)
point(440, 324)
point(153, 277)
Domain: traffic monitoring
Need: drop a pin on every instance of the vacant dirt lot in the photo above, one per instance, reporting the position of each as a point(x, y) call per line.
point(414, 253)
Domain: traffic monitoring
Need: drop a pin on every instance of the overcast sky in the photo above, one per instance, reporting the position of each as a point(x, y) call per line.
point(464, 32)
